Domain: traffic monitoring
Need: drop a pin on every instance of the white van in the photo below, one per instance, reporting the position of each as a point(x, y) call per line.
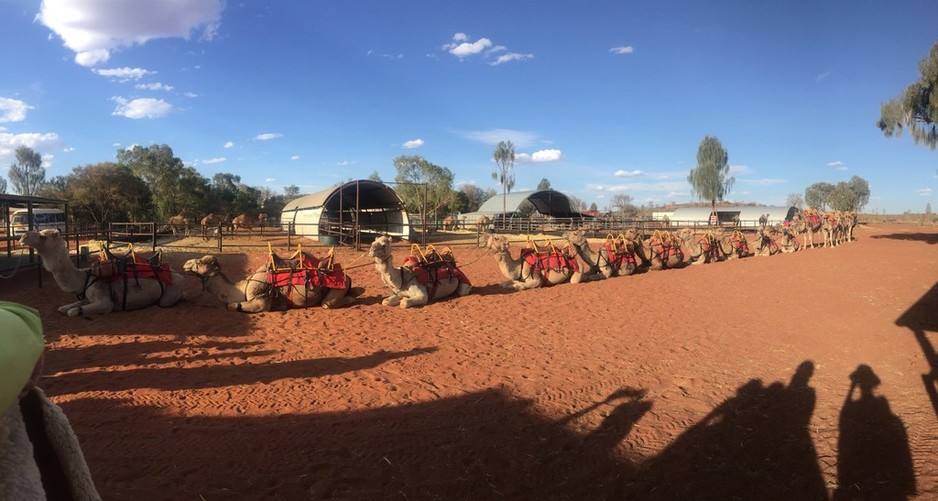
point(42, 219)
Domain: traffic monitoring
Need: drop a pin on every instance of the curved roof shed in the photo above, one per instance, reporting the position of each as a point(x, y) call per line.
point(746, 215)
point(547, 202)
point(373, 206)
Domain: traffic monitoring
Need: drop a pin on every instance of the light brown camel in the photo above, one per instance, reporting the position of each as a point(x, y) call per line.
point(849, 223)
point(809, 224)
point(592, 265)
point(700, 249)
point(831, 226)
point(634, 236)
point(734, 245)
point(242, 221)
point(414, 286)
point(663, 250)
point(483, 223)
point(298, 282)
point(527, 271)
point(764, 244)
point(211, 222)
point(450, 223)
point(176, 223)
point(120, 292)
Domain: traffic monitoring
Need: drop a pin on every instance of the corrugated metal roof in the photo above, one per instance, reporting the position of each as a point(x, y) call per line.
point(547, 202)
point(371, 195)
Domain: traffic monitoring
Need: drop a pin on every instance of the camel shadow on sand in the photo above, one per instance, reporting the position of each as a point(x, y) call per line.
point(928, 238)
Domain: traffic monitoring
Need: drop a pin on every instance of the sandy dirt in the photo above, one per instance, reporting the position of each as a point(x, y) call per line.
point(800, 376)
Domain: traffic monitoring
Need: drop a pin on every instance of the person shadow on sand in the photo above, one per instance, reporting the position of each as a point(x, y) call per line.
point(873, 458)
point(755, 444)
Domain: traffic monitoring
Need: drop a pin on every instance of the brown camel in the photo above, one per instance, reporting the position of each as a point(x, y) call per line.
point(177, 223)
point(664, 250)
point(415, 285)
point(615, 258)
point(700, 249)
point(528, 271)
point(141, 285)
point(242, 221)
point(299, 282)
point(450, 223)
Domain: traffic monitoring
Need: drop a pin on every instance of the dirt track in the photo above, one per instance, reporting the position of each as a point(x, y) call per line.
point(722, 380)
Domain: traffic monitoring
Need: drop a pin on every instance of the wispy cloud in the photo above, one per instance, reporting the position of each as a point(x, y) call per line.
point(10, 142)
point(13, 110)
point(154, 86)
point(624, 49)
point(124, 74)
point(229, 145)
point(216, 160)
point(141, 108)
point(463, 47)
point(666, 187)
point(628, 173)
point(267, 136)
point(837, 164)
point(295, 157)
point(412, 144)
point(521, 139)
point(92, 30)
point(924, 192)
point(763, 182)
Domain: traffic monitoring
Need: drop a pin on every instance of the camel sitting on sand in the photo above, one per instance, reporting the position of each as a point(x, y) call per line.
point(120, 292)
point(529, 270)
point(415, 285)
point(297, 282)
point(176, 223)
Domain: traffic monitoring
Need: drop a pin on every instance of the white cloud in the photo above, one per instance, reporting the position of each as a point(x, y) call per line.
point(763, 181)
point(521, 139)
point(628, 173)
point(924, 192)
point(546, 156)
point(270, 180)
point(345, 163)
point(268, 136)
point(190, 94)
point(667, 186)
point(837, 164)
point(216, 160)
point(625, 49)
point(124, 74)
point(462, 47)
point(412, 144)
point(155, 86)
point(92, 29)
point(68, 149)
point(36, 141)
point(141, 108)
point(229, 145)
point(13, 110)
point(737, 170)
point(511, 56)
point(295, 157)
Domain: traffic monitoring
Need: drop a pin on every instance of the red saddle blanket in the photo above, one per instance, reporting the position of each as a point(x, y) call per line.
point(306, 271)
point(619, 254)
point(432, 273)
point(549, 260)
point(130, 269)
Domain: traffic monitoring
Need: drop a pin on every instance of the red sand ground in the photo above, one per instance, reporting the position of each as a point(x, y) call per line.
point(669, 384)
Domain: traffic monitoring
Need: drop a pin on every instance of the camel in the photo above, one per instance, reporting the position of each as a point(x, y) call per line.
point(483, 223)
point(175, 223)
point(613, 259)
point(789, 244)
point(634, 236)
point(211, 221)
point(122, 292)
point(242, 221)
point(764, 245)
point(298, 282)
point(849, 222)
point(700, 250)
point(526, 272)
point(831, 226)
point(415, 286)
point(734, 246)
point(664, 249)
point(450, 223)
point(808, 224)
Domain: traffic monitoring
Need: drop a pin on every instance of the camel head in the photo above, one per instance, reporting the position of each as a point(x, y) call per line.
point(575, 237)
point(42, 240)
point(497, 243)
point(204, 267)
point(685, 234)
point(380, 248)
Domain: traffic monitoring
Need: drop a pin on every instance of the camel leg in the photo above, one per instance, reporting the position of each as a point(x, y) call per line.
point(416, 296)
point(253, 306)
point(100, 306)
point(71, 306)
point(336, 298)
point(392, 300)
point(463, 289)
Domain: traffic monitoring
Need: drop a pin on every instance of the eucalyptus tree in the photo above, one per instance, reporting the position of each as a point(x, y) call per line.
point(27, 174)
point(916, 108)
point(106, 192)
point(710, 180)
point(818, 194)
point(504, 157)
point(414, 171)
point(172, 184)
point(544, 184)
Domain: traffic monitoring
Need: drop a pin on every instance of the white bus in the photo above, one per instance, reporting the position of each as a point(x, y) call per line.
point(42, 219)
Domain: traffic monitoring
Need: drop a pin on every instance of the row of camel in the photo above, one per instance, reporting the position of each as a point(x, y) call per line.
point(212, 222)
point(415, 283)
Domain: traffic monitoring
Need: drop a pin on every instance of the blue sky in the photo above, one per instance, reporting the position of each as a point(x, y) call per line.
point(600, 97)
